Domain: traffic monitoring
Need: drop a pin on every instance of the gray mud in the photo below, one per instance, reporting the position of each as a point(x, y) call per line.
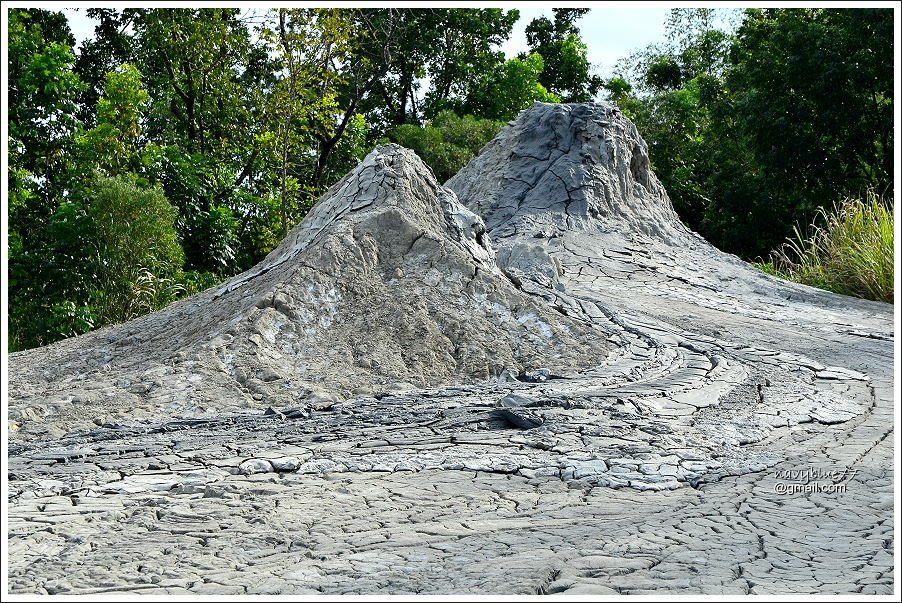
point(532, 380)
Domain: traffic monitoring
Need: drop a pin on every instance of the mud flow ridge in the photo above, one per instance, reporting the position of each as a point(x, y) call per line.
point(532, 379)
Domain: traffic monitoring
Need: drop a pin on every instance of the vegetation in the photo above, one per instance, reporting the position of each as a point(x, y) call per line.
point(752, 127)
point(566, 69)
point(176, 147)
point(448, 142)
point(848, 250)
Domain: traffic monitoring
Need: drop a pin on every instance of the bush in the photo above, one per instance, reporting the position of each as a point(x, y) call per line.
point(112, 254)
point(136, 248)
point(448, 142)
point(849, 250)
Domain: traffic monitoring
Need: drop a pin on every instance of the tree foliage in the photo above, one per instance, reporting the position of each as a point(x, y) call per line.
point(112, 145)
point(110, 48)
point(510, 88)
point(814, 94)
point(302, 104)
point(133, 248)
point(456, 49)
point(566, 69)
point(753, 129)
point(447, 143)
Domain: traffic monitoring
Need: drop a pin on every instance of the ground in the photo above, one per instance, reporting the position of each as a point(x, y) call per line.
point(701, 427)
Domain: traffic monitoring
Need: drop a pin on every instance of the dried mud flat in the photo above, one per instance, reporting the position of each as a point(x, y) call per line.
point(532, 380)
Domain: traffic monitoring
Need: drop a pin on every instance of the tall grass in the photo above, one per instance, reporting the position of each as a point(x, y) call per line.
point(847, 250)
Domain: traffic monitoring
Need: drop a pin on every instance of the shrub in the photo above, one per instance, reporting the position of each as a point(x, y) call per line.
point(137, 248)
point(448, 142)
point(113, 255)
point(848, 250)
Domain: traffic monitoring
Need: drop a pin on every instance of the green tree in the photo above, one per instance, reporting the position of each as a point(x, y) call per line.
point(43, 94)
point(465, 48)
point(113, 44)
point(114, 256)
point(813, 90)
point(409, 39)
point(351, 148)
point(453, 49)
point(378, 35)
point(664, 73)
point(509, 89)
point(112, 144)
point(42, 100)
point(193, 61)
point(567, 71)
point(135, 248)
point(205, 80)
point(447, 142)
point(697, 42)
point(303, 102)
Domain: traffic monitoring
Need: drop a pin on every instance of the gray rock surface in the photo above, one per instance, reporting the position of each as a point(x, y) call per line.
point(362, 412)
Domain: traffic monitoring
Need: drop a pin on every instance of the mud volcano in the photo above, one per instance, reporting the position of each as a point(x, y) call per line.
point(532, 380)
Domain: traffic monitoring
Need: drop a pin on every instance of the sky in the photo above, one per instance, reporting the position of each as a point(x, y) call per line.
point(611, 32)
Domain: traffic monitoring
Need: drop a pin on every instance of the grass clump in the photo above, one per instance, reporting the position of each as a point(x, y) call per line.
point(848, 250)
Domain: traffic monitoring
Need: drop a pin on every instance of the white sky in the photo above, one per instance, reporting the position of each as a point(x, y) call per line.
point(611, 31)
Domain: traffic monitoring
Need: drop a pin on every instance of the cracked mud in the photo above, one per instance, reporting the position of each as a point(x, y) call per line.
point(532, 380)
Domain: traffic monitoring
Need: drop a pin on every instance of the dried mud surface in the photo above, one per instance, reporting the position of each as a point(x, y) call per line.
point(534, 379)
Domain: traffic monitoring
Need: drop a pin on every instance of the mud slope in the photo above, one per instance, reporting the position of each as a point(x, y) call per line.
point(574, 182)
point(388, 283)
point(347, 417)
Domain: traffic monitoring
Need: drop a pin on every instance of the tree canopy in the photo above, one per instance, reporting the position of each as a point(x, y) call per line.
point(753, 128)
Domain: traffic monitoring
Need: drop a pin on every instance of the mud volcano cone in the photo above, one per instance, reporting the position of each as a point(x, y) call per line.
point(388, 282)
point(567, 167)
point(574, 182)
